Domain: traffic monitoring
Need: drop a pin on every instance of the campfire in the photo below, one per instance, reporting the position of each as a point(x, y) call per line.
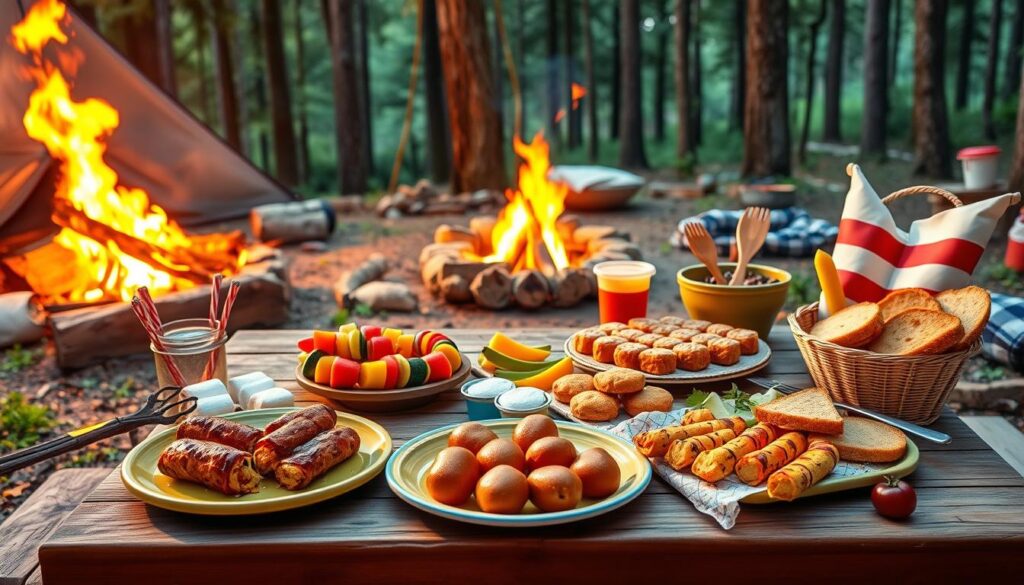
point(531, 254)
point(112, 239)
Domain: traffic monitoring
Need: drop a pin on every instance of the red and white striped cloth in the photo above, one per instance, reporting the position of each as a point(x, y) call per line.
point(874, 256)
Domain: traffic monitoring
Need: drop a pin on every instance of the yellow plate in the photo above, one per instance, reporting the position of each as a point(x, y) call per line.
point(407, 470)
point(140, 475)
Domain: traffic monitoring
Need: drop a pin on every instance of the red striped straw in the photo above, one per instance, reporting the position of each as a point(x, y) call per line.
point(222, 326)
point(215, 298)
point(153, 329)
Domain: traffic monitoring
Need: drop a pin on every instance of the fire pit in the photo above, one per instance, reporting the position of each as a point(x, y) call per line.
point(530, 254)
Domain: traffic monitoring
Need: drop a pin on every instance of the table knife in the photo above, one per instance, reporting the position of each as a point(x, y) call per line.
point(916, 430)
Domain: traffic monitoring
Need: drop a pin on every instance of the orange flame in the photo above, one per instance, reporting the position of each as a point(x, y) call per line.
point(577, 92)
point(75, 135)
point(525, 235)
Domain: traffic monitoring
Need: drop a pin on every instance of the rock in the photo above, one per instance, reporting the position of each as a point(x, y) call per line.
point(314, 246)
point(383, 295)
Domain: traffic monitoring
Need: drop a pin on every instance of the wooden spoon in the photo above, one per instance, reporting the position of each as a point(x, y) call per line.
point(703, 247)
point(750, 234)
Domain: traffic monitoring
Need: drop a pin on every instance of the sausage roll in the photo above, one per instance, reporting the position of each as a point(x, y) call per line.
point(655, 442)
point(697, 415)
point(818, 460)
point(321, 414)
point(218, 467)
point(753, 468)
point(713, 465)
point(682, 453)
point(220, 430)
point(312, 459)
point(272, 448)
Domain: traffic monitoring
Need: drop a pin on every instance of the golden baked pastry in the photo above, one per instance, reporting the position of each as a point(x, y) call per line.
point(594, 406)
point(684, 334)
point(611, 327)
point(698, 324)
point(630, 334)
point(566, 387)
point(658, 361)
point(648, 339)
point(650, 399)
point(704, 338)
point(675, 322)
point(666, 343)
point(724, 351)
point(604, 348)
point(619, 381)
point(692, 357)
point(663, 329)
point(584, 340)
point(719, 329)
point(747, 339)
point(642, 324)
point(627, 355)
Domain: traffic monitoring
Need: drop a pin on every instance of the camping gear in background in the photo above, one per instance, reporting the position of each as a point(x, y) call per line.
point(874, 256)
point(793, 232)
point(1015, 246)
point(595, 188)
point(1003, 338)
point(772, 196)
point(296, 221)
point(980, 164)
point(21, 318)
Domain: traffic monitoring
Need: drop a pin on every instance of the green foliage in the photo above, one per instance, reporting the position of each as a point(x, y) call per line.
point(91, 457)
point(1007, 277)
point(988, 373)
point(803, 289)
point(125, 389)
point(362, 310)
point(17, 358)
point(21, 423)
point(340, 318)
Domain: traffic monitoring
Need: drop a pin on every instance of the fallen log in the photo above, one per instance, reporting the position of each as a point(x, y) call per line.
point(492, 288)
point(530, 289)
point(446, 234)
point(21, 318)
point(568, 287)
point(370, 270)
point(296, 221)
point(455, 289)
point(383, 295)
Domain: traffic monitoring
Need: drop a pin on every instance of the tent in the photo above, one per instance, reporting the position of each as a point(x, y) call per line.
point(159, 146)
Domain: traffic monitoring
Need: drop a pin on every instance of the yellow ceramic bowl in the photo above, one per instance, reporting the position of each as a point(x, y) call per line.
point(750, 307)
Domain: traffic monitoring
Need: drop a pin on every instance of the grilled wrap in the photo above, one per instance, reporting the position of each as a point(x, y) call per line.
point(713, 465)
point(318, 413)
point(272, 448)
point(312, 459)
point(697, 415)
point(654, 443)
point(218, 467)
point(817, 461)
point(682, 453)
point(753, 468)
point(220, 430)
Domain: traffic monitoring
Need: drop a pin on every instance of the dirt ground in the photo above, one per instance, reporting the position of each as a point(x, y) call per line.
point(116, 387)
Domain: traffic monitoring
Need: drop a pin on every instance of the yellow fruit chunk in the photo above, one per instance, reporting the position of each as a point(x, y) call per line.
point(452, 353)
point(404, 345)
point(546, 379)
point(513, 348)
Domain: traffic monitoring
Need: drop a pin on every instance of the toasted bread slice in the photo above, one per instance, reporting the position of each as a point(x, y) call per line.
point(866, 441)
point(972, 305)
point(900, 300)
point(854, 326)
point(808, 410)
point(918, 332)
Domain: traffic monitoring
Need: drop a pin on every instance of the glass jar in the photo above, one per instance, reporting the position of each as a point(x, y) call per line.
point(189, 343)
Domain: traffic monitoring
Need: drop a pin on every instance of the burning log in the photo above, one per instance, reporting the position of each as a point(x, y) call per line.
point(382, 295)
point(483, 227)
point(492, 288)
point(372, 269)
point(453, 250)
point(446, 234)
point(602, 245)
point(292, 222)
point(455, 290)
point(569, 287)
point(530, 289)
point(584, 234)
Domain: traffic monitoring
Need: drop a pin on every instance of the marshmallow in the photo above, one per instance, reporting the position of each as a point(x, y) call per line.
point(235, 384)
point(214, 405)
point(205, 389)
point(247, 391)
point(271, 398)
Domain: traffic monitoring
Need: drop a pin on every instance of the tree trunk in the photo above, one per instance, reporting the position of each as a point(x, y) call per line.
point(348, 111)
point(697, 95)
point(963, 68)
point(1011, 77)
point(873, 127)
point(930, 119)
point(259, 89)
point(476, 132)
point(588, 66)
point(498, 66)
point(521, 59)
point(206, 105)
point(739, 86)
point(438, 143)
point(658, 101)
point(282, 123)
point(224, 68)
point(86, 11)
point(1016, 182)
point(364, 77)
point(551, 68)
point(616, 59)
point(684, 144)
point(575, 116)
point(992, 68)
point(812, 52)
point(631, 139)
point(300, 91)
point(165, 45)
point(138, 28)
point(832, 124)
point(766, 140)
point(894, 53)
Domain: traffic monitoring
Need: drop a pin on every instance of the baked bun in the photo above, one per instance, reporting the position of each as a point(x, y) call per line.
point(594, 406)
point(604, 348)
point(658, 361)
point(918, 332)
point(866, 441)
point(854, 326)
point(650, 399)
point(584, 340)
point(972, 305)
point(900, 300)
point(627, 355)
point(692, 357)
point(619, 381)
point(568, 386)
point(719, 329)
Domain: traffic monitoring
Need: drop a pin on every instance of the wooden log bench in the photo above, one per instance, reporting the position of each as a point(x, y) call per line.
point(37, 518)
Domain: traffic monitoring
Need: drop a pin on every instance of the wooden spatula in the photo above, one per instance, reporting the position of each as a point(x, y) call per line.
point(703, 247)
point(750, 234)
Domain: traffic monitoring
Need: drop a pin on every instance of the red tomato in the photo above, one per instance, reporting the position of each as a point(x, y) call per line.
point(894, 498)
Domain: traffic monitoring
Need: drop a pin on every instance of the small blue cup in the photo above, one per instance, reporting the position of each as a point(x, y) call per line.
point(480, 395)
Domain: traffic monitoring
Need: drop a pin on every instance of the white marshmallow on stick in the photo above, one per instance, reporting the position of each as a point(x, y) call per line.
point(247, 391)
point(205, 389)
point(271, 398)
point(214, 405)
point(235, 384)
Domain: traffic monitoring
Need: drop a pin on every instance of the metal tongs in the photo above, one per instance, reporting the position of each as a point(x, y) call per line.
point(157, 410)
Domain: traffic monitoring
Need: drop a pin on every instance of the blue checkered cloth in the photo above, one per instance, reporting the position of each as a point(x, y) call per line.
point(793, 232)
point(1003, 338)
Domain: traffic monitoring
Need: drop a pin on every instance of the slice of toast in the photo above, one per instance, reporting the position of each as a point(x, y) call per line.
point(918, 332)
point(854, 326)
point(972, 305)
point(900, 300)
point(866, 441)
point(808, 410)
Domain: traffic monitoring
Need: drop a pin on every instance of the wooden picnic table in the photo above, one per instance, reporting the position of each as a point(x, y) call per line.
point(969, 520)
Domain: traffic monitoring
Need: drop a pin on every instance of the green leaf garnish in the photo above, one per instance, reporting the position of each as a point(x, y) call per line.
point(696, 398)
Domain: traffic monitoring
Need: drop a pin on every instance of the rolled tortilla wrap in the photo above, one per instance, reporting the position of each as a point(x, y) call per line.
point(218, 467)
point(314, 458)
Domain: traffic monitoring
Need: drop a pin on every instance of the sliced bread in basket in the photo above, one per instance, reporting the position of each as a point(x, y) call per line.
point(854, 326)
point(972, 305)
point(900, 300)
point(918, 332)
point(808, 410)
point(866, 441)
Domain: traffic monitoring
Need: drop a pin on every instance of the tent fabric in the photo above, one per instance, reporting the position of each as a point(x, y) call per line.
point(158, 146)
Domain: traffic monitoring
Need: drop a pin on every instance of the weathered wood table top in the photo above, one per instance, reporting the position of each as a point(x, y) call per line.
point(969, 520)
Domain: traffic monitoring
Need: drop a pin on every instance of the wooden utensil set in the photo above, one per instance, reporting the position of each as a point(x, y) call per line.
point(750, 235)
